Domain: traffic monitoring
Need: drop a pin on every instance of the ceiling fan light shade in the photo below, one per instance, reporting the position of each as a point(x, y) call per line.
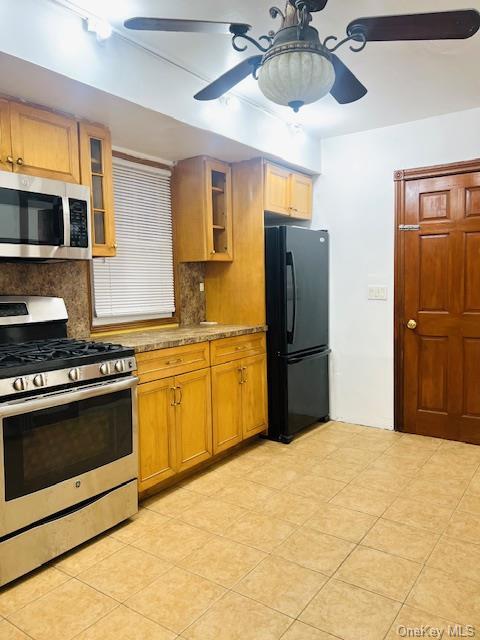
point(294, 78)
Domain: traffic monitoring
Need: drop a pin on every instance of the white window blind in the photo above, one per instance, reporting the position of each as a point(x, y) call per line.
point(138, 282)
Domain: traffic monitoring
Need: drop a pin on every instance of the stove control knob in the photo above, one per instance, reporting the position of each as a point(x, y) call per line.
point(40, 380)
point(105, 369)
point(120, 366)
point(74, 375)
point(20, 384)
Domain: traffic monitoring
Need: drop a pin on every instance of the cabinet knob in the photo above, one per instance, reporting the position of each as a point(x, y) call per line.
point(20, 161)
point(9, 159)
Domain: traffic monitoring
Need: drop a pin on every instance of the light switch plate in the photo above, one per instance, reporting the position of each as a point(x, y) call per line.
point(377, 292)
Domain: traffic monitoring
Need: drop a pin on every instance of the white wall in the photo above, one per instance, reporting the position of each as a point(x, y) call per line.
point(355, 201)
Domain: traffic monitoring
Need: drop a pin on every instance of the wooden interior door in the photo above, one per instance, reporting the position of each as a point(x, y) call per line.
point(441, 300)
point(227, 405)
point(44, 143)
point(254, 390)
point(193, 418)
point(156, 416)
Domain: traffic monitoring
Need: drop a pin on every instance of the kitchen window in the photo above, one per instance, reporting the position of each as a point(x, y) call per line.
point(138, 283)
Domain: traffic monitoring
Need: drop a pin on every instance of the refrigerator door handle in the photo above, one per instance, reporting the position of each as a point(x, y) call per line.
point(291, 264)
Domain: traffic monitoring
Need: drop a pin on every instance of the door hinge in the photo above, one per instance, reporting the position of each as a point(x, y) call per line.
point(408, 227)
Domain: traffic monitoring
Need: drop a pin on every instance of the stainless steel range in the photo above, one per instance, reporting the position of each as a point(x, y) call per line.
point(68, 435)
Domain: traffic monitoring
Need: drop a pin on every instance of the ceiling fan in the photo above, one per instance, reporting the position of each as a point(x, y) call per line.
point(295, 67)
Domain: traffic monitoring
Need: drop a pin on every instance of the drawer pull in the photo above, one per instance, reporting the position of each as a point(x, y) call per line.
point(240, 348)
point(175, 361)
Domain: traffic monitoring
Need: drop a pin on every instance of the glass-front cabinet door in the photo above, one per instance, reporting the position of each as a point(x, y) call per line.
point(219, 198)
point(96, 165)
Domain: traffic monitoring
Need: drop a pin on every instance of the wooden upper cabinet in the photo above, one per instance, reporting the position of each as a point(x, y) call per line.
point(44, 143)
point(5, 136)
point(277, 189)
point(288, 193)
point(202, 209)
point(97, 173)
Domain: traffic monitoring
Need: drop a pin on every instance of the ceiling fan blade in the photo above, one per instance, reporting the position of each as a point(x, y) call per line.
point(229, 79)
point(445, 25)
point(186, 26)
point(347, 87)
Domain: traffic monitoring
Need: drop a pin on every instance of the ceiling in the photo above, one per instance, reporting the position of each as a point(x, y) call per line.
point(406, 81)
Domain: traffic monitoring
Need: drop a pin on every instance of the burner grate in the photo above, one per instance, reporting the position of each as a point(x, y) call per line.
point(51, 350)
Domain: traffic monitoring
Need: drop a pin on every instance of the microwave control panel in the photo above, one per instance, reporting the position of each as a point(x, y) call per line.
point(78, 223)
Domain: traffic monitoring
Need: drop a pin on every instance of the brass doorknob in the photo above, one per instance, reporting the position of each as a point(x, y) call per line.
point(411, 324)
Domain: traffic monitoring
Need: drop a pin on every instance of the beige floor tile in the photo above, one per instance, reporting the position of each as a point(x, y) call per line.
point(443, 494)
point(411, 619)
point(413, 456)
point(371, 501)
point(315, 550)
point(343, 471)
point(223, 561)
point(447, 596)
point(333, 437)
point(474, 486)
point(87, 555)
point(451, 471)
point(387, 575)
point(470, 503)
point(457, 557)
point(468, 453)
point(382, 434)
point(281, 585)
point(355, 456)
point(345, 427)
point(124, 573)
point(212, 515)
point(259, 531)
point(125, 624)
point(399, 462)
point(9, 632)
point(316, 487)
point(143, 522)
point(422, 442)
point(244, 493)
point(176, 599)
point(370, 443)
point(208, 483)
point(401, 540)
point(174, 541)
point(64, 612)
point(384, 479)
point(25, 590)
point(342, 523)
point(419, 514)
point(290, 507)
point(274, 476)
point(238, 618)
point(171, 503)
point(464, 526)
point(302, 631)
point(351, 613)
point(316, 448)
point(245, 463)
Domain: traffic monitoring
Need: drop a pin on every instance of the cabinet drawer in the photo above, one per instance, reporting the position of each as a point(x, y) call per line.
point(229, 349)
point(154, 365)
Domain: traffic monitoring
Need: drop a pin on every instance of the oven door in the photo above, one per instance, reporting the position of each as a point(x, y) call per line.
point(60, 449)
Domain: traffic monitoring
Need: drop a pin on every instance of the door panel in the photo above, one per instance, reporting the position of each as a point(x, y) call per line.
point(301, 196)
point(5, 137)
point(193, 419)
point(441, 280)
point(307, 288)
point(227, 406)
point(254, 390)
point(44, 143)
point(277, 190)
point(156, 418)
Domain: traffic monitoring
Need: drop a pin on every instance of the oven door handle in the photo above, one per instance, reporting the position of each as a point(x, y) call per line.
point(56, 399)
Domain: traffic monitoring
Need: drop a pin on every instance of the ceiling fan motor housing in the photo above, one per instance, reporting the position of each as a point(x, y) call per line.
point(296, 71)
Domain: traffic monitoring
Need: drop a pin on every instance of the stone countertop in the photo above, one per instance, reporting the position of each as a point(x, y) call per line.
point(150, 340)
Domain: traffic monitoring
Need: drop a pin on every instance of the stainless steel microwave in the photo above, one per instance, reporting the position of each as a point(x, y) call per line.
point(43, 219)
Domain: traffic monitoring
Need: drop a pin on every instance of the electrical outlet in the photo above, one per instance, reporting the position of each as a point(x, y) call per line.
point(202, 287)
point(377, 292)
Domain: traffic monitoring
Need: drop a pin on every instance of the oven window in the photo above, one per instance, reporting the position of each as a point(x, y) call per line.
point(49, 446)
point(30, 218)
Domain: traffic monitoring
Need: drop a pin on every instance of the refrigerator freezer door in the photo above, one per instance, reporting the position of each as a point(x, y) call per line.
point(306, 288)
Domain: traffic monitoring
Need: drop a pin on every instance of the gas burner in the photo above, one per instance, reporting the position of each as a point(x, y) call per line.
point(40, 351)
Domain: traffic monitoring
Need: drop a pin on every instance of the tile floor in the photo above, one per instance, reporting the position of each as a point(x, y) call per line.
point(349, 532)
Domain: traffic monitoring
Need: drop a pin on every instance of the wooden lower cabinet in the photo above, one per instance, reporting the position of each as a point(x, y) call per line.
point(227, 406)
point(156, 419)
point(193, 419)
point(254, 401)
point(240, 407)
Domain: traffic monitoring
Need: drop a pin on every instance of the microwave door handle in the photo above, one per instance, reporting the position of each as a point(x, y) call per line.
point(65, 222)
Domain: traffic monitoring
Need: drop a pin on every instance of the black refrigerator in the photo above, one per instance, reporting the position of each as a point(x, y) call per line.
point(297, 317)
